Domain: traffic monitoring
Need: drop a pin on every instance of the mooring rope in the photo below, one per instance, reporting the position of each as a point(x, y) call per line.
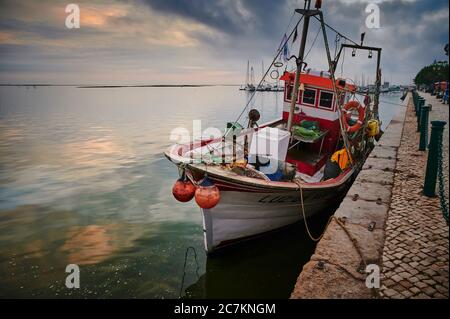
point(332, 217)
point(296, 181)
point(184, 267)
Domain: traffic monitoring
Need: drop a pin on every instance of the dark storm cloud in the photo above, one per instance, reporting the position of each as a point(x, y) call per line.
point(405, 30)
point(229, 16)
point(269, 17)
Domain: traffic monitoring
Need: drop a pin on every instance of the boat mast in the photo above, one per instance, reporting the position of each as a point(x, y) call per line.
point(377, 88)
point(262, 70)
point(247, 75)
point(252, 76)
point(299, 61)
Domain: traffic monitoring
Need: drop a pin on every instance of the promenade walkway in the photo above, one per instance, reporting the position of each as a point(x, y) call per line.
point(415, 254)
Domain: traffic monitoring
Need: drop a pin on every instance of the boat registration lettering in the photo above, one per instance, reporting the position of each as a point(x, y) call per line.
point(279, 199)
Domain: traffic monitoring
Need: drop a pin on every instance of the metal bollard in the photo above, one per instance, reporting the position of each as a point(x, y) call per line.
point(416, 102)
point(420, 103)
point(425, 111)
point(416, 105)
point(419, 112)
point(429, 187)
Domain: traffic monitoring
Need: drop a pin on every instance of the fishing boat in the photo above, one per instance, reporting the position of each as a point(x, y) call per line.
point(261, 177)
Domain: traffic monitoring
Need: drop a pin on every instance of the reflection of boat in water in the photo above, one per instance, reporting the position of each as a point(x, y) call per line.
point(254, 180)
point(263, 268)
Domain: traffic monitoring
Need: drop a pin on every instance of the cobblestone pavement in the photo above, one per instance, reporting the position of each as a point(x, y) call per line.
point(440, 112)
point(415, 254)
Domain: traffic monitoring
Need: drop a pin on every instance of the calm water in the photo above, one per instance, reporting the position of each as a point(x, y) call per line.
point(83, 180)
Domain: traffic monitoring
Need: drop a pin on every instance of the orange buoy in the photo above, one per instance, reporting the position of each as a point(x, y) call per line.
point(346, 114)
point(207, 194)
point(183, 189)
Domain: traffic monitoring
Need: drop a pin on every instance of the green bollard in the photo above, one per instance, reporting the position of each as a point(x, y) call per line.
point(419, 112)
point(425, 111)
point(429, 187)
point(416, 101)
point(420, 103)
point(416, 105)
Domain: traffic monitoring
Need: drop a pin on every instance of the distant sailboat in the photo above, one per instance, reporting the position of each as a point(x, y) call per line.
point(248, 86)
point(264, 86)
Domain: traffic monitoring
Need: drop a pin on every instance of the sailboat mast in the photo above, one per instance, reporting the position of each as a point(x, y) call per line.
point(262, 68)
point(247, 75)
point(299, 63)
point(252, 76)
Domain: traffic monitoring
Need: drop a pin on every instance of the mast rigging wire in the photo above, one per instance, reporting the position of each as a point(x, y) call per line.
point(337, 32)
point(280, 49)
point(312, 44)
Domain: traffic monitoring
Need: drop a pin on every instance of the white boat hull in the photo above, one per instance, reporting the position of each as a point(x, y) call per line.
point(240, 215)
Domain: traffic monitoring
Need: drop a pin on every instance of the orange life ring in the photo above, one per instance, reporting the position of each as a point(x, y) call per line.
point(346, 114)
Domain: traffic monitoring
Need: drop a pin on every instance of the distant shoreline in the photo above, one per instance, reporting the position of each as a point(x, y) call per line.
point(120, 86)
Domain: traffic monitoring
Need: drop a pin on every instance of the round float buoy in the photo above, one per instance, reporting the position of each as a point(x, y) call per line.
point(183, 190)
point(347, 113)
point(207, 194)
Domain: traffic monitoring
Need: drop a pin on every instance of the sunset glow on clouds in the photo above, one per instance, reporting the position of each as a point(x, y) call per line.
point(201, 42)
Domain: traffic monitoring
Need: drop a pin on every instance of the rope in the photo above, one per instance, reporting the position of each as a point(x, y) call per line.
point(184, 267)
point(287, 28)
point(332, 217)
point(353, 240)
point(312, 44)
point(190, 177)
point(343, 59)
point(304, 216)
point(337, 39)
point(337, 32)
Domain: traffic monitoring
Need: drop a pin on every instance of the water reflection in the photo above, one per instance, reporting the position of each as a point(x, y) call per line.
point(265, 268)
point(36, 244)
point(93, 244)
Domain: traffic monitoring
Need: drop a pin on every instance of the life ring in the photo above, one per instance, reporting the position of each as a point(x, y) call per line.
point(346, 114)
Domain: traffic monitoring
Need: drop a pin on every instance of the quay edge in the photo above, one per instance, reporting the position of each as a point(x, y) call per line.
point(334, 270)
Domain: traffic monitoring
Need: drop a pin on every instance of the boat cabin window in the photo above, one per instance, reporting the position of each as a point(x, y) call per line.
point(309, 97)
point(289, 90)
point(326, 100)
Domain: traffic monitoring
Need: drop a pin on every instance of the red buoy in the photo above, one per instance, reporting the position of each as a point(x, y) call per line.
point(183, 189)
point(207, 194)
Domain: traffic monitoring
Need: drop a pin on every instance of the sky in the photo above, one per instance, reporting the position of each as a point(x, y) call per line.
point(127, 42)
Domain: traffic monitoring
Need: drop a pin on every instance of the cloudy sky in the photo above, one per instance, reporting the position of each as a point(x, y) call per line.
point(203, 41)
